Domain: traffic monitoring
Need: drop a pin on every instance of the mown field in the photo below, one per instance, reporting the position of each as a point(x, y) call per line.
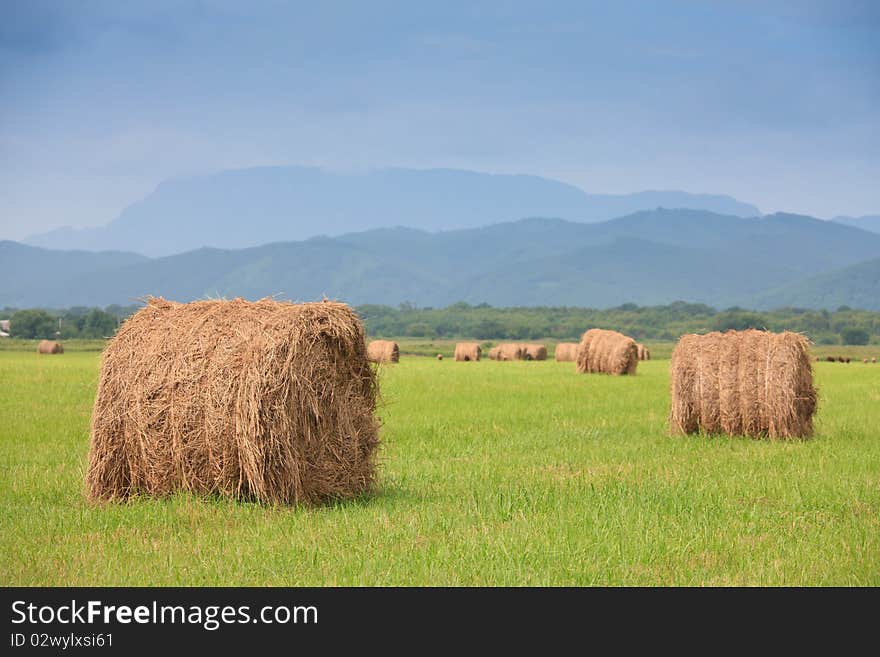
point(492, 473)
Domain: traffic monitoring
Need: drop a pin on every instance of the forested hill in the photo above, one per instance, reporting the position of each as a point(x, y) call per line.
point(648, 258)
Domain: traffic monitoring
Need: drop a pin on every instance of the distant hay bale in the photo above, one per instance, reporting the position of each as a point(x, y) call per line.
point(643, 352)
point(873, 359)
point(841, 359)
point(50, 347)
point(865, 361)
point(607, 352)
point(493, 353)
point(383, 351)
point(534, 352)
point(265, 401)
point(439, 356)
point(467, 351)
point(752, 383)
point(566, 352)
point(510, 351)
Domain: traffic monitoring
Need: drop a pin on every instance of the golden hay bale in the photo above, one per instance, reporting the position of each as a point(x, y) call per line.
point(566, 352)
point(383, 351)
point(753, 383)
point(50, 347)
point(467, 351)
point(493, 353)
point(267, 401)
point(534, 352)
point(439, 356)
point(873, 359)
point(607, 352)
point(510, 351)
point(643, 352)
point(865, 361)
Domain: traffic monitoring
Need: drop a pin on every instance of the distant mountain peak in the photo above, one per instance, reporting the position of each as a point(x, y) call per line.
point(240, 208)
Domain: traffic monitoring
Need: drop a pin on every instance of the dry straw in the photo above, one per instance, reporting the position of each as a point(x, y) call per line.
point(494, 353)
point(268, 401)
point(607, 352)
point(643, 352)
point(566, 352)
point(534, 352)
point(467, 351)
point(50, 347)
point(383, 351)
point(510, 351)
point(752, 383)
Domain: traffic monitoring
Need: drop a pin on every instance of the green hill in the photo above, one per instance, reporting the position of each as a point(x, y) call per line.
point(651, 257)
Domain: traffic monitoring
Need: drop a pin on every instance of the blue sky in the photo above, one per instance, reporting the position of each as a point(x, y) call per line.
point(772, 102)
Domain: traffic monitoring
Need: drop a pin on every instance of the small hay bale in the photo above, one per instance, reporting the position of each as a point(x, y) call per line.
point(607, 352)
point(566, 352)
point(493, 353)
point(50, 347)
point(439, 356)
point(467, 352)
point(264, 401)
point(752, 383)
point(873, 359)
point(383, 351)
point(534, 352)
point(510, 351)
point(865, 361)
point(643, 352)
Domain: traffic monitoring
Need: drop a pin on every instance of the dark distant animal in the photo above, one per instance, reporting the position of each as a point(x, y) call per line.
point(831, 359)
point(439, 356)
point(846, 360)
point(841, 359)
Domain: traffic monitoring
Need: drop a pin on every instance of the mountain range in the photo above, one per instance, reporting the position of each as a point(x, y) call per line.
point(251, 207)
point(647, 257)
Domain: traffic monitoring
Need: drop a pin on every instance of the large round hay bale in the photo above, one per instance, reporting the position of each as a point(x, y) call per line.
point(752, 383)
point(494, 352)
point(467, 352)
point(607, 352)
point(383, 351)
point(533, 351)
point(566, 352)
point(50, 347)
point(267, 401)
point(510, 351)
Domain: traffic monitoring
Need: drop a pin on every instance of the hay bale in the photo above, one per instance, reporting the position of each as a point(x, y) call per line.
point(493, 353)
point(510, 351)
point(831, 359)
point(383, 351)
point(439, 356)
point(865, 361)
point(752, 383)
point(565, 352)
point(50, 347)
point(873, 359)
point(267, 401)
point(643, 352)
point(534, 352)
point(467, 352)
point(607, 352)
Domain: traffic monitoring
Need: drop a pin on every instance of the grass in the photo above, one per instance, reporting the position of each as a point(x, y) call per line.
point(492, 473)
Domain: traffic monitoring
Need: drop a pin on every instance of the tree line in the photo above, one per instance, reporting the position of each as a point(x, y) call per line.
point(484, 322)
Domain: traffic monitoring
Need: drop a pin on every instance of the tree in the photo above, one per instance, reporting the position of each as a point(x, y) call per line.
point(854, 336)
point(98, 324)
point(32, 324)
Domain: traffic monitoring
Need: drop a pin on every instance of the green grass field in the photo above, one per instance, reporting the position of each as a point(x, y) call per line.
point(492, 473)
